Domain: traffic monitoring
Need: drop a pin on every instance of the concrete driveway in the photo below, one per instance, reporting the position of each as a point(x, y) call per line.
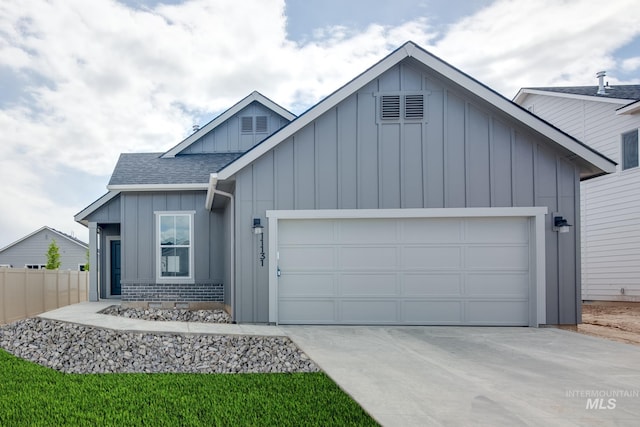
point(472, 376)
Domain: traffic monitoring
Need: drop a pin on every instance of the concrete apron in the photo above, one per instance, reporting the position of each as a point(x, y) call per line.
point(473, 376)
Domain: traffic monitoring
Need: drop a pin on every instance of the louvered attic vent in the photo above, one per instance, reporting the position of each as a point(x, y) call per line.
point(246, 124)
point(390, 105)
point(261, 124)
point(412, 107)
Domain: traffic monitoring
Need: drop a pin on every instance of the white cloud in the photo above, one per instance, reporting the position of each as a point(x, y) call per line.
point(104, 78)
point(512, 44)
point(631, 64)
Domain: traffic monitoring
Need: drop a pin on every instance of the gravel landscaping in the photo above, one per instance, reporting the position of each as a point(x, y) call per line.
point(74, 348)
point(164, 314)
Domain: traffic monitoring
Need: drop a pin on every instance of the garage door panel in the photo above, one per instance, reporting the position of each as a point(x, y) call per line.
point(431, 257)
point(497, 257)
point(497, 312)
point(372, 311)
point(307, 311)
point(487, 284)
point(420, 285)
point(308, 285)
point(367, 231)
point(436, 230)
point(492, 230)
point(365, 284)
point(302, 258)
point(367, 257)
point(306, 230)
point(433, 312)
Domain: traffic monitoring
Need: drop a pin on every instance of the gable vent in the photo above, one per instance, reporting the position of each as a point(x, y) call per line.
point(261, 124)
point(414, 106)
point(390, 105)
point(246, 124)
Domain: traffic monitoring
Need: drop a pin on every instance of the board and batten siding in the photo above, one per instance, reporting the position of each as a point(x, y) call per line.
point(464, 154)
point(610, 204)
point(228, 137)
point(138, 233)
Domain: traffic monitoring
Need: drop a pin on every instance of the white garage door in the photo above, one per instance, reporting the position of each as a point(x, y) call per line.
point(413, 271)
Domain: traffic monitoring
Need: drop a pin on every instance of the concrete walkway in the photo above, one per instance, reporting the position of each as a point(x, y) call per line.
point(449, 376)
point(87, 313)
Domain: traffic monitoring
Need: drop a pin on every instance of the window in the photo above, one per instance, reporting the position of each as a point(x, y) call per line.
point(246, 124)
point(175, 246)
point(630, 150)
point(82, 267)
point(5, 265)
point(35, 266)
point(261, 124)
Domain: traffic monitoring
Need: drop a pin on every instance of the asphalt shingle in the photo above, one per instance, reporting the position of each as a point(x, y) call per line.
point(151, 168)
point(631, 92)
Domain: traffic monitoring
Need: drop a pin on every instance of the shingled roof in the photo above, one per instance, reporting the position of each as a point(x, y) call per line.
point(631, 92)
point(152, 169)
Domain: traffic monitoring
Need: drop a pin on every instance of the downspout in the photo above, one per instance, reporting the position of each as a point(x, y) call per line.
point(211, 192)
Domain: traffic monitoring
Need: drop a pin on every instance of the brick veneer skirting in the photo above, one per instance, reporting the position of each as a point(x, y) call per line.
point(172, 292)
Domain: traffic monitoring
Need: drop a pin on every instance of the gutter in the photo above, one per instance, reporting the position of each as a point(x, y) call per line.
point(211, 192)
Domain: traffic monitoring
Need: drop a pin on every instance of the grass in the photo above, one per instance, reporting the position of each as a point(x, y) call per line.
point(32, 395)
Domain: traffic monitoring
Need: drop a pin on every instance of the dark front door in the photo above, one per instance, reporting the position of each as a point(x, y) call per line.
point(115, 267)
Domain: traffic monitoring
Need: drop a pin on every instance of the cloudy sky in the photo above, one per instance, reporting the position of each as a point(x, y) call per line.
point(84, 80)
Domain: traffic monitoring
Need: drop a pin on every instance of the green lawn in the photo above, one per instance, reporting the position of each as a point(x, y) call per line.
point(31, 395)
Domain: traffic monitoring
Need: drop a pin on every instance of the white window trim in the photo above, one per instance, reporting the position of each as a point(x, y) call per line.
point(621, 163)
point(158, 251)
point(40, 266)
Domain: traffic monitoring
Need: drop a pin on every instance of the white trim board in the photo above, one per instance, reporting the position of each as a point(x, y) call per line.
point(537, 306)
point(411, 50)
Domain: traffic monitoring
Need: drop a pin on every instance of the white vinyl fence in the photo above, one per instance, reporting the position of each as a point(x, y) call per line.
point(26, 293)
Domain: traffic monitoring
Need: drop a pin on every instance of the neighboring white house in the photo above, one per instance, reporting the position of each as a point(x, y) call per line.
point(31, 250)
point(607, 119)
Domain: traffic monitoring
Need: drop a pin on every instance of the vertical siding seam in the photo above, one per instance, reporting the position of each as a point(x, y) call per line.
point(357, 158)
point(445, 135)
point(337, 159)
point(492, 189)
point(512, 136)
point(316, 155)
point(557, 242)
point(465, 147)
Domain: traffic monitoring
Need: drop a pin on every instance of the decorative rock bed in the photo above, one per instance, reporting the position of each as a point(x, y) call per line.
point(164, 314)
point(74, 348)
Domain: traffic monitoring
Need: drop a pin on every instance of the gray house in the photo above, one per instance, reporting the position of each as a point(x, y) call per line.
point(31, 251)
point(412, 195)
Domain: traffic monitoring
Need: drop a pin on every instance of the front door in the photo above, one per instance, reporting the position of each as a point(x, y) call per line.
point(115, 267)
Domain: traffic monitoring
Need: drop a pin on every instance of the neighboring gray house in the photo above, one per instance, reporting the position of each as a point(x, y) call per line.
point(31, 251)
point(606, 118)
point(412, 195)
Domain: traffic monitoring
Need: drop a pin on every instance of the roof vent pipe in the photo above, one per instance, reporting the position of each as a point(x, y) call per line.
point(600, 75)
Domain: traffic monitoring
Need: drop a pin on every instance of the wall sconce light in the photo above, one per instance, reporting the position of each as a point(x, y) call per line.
point(560, 224)
point(257, 228)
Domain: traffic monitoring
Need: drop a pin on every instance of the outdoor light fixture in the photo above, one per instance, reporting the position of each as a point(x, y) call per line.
point(560, 224)
point(257, 228)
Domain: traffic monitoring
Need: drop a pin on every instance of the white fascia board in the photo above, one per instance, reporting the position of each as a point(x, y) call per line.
point(522, 93)
point(322, 107)
point(409, 49)
point(532, 211)
point(80, 216)
point(518, 113)
point(158, 187)
point(253, 96)
point(211, 190)
point(632, 108)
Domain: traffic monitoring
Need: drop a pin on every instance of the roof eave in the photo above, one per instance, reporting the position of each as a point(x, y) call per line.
point(522, 94)
point(632, 108)
point(158, 187)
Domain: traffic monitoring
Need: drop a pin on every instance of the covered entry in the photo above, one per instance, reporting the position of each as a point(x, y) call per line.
point(414, 266)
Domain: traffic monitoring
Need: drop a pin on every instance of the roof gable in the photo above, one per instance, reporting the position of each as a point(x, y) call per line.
point(238, 107)
point(65, 236)
point(593, 162)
